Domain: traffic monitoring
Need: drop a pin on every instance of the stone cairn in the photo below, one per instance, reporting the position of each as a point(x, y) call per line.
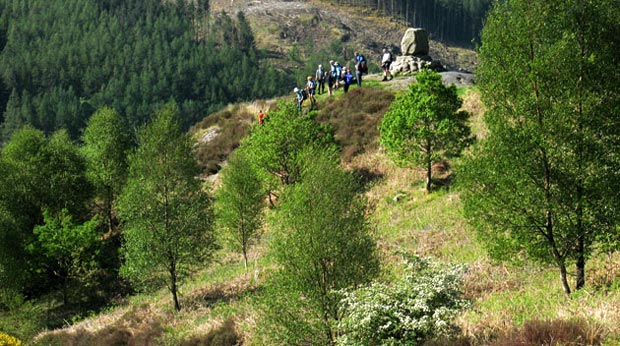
point(414, 47)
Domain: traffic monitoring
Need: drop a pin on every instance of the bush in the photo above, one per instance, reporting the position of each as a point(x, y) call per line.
point(355, 118)
point(420, 306)
point(7, 340)
point(230, 126)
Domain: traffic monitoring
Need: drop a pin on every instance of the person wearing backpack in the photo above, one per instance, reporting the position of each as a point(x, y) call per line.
point(310, 89)
point(337, 74)
point(300, 97)
point(361, 67)
point(320, 79)
point(330, 77)
point(386, 62)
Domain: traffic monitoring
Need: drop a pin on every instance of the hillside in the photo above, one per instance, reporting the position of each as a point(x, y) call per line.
point(510, 302)
point(517, 303)
point(284, 29)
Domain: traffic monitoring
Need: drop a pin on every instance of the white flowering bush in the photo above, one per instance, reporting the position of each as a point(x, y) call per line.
point(420, 306)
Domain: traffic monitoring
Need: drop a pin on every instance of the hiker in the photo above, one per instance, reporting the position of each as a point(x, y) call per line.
point(320, 79)
point(299, 97)
point(338, 74)
point(330, 77)
point(310, 89)
point(348, 79)
point(386, 61)
point(261, 117)
point(361, 67)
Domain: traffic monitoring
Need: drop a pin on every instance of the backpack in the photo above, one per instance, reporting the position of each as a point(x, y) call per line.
point(320, 74)
point(311, 84)
point(304, 94)
point(363, 67)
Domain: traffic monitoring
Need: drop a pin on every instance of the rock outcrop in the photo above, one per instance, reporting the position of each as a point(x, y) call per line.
point(414, 47)
point(414, 42)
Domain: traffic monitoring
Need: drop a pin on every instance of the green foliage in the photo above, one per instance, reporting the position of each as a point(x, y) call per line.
point(65, 173)
point(39, 174)
point(276, 147)
point(425, 125)
point(322, 243)
point(420, 306)
point(106, 144)
point(166, 216)
point(20, 317)
point(68, 245)
point(543, 180)
point(240, 203)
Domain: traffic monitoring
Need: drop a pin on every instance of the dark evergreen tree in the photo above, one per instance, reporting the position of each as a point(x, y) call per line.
point(131, 55)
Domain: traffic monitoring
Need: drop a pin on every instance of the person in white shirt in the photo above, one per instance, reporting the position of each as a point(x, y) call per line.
point(386, 61)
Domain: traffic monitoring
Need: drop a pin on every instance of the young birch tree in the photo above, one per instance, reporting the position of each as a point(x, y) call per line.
point(165, 213)
point(425, 125)
point(545, 180)
point(239, 204)
point(106, 144)
point(322, 243)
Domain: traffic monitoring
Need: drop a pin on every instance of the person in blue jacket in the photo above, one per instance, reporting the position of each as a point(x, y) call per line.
point(348, 79)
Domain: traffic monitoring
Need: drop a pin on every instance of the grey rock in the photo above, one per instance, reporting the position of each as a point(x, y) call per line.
point(415, 42)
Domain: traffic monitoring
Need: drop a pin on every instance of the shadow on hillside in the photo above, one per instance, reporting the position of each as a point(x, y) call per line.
point(367, 177)
point(443, 177)
point(224, 294)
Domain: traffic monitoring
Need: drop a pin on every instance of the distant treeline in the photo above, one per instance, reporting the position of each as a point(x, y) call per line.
point(60, 60)
point(454, 21)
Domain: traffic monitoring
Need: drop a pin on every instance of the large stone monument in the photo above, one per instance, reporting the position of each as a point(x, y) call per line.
point(414, 42)
point(414, 47)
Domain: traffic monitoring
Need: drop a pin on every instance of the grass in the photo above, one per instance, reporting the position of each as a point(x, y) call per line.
point(518, 301)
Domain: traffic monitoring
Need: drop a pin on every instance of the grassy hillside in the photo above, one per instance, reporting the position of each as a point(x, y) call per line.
point(513, 304)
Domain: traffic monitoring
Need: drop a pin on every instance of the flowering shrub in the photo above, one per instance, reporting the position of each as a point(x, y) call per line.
point(7, 340)
point(420, 306)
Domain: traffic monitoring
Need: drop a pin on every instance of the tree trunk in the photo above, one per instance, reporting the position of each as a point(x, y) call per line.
point(174, 288)
point(245, 258)
point(429, 168)
point(565, 285)
point(581, 264)
point(429, 172)
point(110, 216)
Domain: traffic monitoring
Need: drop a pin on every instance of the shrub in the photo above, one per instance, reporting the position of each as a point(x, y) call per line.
point(232, 125)
point(7, 340)
point(420, 306)
point(355, 118)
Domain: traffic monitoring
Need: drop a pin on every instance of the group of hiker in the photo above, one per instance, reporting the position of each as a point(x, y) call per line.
point(335, 77)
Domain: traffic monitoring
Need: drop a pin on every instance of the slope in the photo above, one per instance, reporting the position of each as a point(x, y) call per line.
point(291, 31)
point(221, 301)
